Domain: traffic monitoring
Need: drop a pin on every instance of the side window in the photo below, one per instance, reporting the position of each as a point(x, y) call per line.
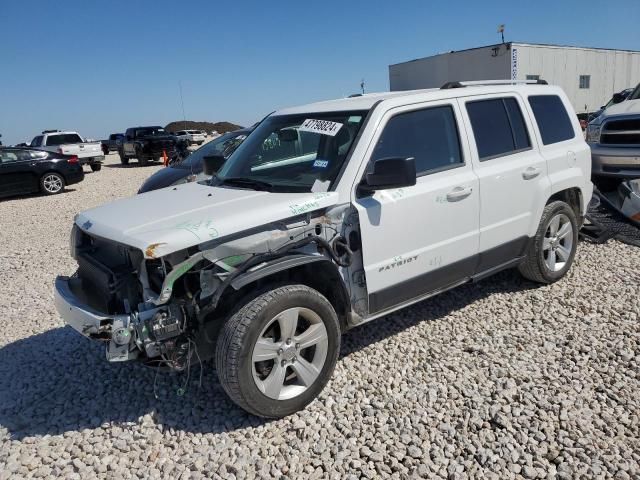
point(498, 127)
point(552, 118)
point(8, 156)
point(37, 141)
point(280, 147)
point(430, 136)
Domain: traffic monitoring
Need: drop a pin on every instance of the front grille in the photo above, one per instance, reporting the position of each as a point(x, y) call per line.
point(621, 132)
point(106, 270)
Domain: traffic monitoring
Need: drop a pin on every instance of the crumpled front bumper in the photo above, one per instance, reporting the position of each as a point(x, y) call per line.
point(84, 319)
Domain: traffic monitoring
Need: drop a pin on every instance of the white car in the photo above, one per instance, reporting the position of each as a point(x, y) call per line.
point(71, 143)
point(328, 216)
point(191, 136)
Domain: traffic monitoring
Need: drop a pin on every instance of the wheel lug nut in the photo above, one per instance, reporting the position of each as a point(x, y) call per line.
point(283, 363)
point(297, 346)
point(280, 351)
point(288, 341)
point(293, 359)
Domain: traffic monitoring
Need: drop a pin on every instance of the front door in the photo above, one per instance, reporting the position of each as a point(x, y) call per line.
point(423, 238)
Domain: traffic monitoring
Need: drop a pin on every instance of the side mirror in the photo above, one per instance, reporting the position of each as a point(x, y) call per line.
point(390, 173)
point(212, 163)
point(617, 98)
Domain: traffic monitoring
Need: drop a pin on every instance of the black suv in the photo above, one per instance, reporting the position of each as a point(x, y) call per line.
point(146, 143)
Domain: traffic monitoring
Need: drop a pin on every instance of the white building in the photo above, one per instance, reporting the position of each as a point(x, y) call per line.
point(589, 76)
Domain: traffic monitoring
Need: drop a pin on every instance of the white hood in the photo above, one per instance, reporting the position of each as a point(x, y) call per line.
point(172, 219)
point(628, 107)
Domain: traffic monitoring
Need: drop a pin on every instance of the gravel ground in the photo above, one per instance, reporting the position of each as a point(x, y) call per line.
point(501, 379)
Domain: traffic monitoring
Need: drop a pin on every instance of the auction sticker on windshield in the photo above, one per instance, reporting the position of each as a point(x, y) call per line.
point(323, 127)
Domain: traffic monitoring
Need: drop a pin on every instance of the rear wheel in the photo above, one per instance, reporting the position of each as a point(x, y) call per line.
point(276, 354)
point(143, 161)
point(553, 248)
point(51, 183)
point(96, 167)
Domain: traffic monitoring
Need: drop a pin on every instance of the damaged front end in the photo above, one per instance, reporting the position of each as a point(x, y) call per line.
point(163, 309)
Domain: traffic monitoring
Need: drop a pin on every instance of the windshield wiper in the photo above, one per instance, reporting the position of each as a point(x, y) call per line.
point(249, 183)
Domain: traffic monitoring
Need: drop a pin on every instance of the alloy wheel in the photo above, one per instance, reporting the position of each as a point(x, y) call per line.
point(290, 353)
point(52, 183)
point(557, 243)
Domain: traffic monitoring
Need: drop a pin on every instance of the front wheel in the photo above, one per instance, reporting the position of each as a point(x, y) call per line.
point(276, 354)
point(552, 250)
point(123, 160)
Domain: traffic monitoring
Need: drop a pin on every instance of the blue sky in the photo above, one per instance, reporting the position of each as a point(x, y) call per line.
point(98, 67)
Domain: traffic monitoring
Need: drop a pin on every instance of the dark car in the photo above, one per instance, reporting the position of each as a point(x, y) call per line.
point(112, 143)
point(146, 144)
point(190, 169)
point(28, 170)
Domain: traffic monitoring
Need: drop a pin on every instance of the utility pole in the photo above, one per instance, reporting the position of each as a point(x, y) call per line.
point(184, 117)
point(501, 31)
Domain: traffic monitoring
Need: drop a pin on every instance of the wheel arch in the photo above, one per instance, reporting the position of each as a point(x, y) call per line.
point(571, 196)
point(313, 271)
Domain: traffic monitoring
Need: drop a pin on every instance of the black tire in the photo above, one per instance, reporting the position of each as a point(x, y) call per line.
point(96, 167)
point(237, 339)
point(534, 267)
point(143, 161)
point(52, 183)
point(123, 160)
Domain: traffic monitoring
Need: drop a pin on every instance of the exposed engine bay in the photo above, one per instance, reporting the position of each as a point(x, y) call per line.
point(164, 310)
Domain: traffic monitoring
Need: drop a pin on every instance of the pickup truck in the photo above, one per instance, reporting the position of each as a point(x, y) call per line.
point(614, 138)
point(70, 143)
point(112, 143)
point(146, 143)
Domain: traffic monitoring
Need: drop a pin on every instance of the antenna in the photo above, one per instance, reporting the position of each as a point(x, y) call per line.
point(362, 85)
point(184, 117)
point(501, 31)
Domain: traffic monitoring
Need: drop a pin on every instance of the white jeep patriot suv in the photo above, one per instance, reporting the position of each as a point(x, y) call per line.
point(327, 216)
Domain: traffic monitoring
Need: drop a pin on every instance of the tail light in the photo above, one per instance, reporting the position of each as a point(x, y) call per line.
point(73, 159)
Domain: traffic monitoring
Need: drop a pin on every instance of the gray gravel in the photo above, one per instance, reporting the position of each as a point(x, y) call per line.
point(503, 379)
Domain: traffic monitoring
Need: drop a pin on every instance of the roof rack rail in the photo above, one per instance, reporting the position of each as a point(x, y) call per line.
point(49, 131)
point(473, 83)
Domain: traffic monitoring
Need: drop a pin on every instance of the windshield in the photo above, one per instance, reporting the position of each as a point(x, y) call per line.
point(224, 145)
point(143, 132)
point(635, 95)
point(294, 153)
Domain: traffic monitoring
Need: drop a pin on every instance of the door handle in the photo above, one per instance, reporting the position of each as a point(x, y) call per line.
point(531, 173)
point(459, 193)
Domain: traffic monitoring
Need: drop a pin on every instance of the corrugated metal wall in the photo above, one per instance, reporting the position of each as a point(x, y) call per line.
point(610, 71)
point(432, 72)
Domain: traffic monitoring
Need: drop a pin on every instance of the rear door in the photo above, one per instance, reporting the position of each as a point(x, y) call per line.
point(512, 173)
point(422, 238)
point(128, 143)
point(16, 172)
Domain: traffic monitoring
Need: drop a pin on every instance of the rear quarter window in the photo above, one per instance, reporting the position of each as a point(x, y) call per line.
point(552, 118)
